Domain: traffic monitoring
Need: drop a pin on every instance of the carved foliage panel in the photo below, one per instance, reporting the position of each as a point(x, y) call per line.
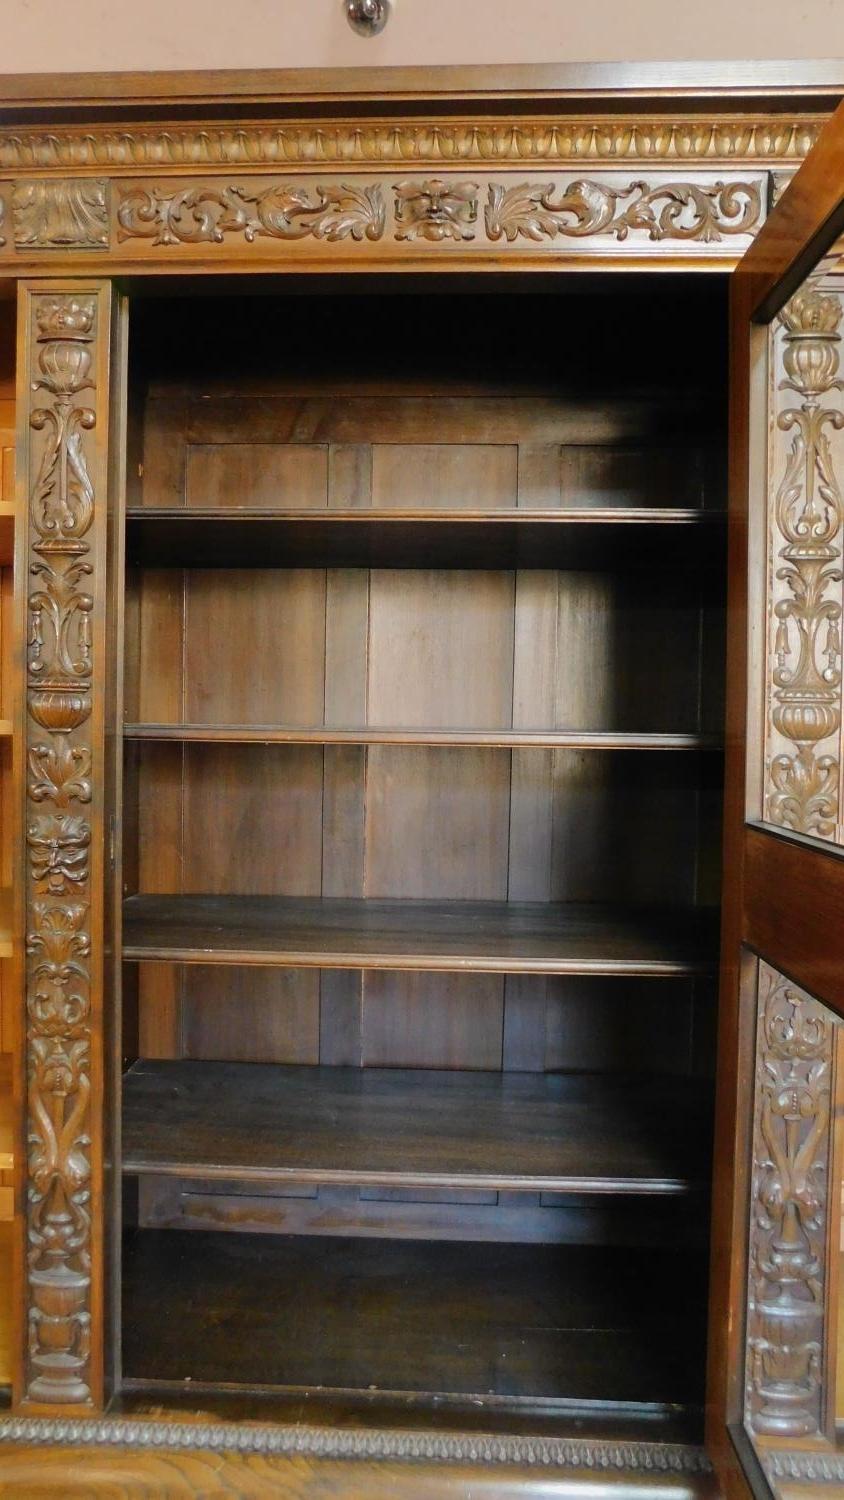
point(63, 414)
point(790, 1197)
point(400, 214)
point(805, 593)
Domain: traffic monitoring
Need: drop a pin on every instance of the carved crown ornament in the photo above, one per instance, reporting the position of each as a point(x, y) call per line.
point(448, 213)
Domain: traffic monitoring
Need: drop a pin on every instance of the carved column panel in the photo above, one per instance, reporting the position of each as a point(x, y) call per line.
point(791, 1192)
point(803, 754)
point(63, 425)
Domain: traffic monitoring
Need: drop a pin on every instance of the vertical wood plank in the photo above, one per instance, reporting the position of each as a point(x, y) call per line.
point(350, 475)
point(272, 474)
point(255, 645)
point(164, 451)
point(453, 476)
point(429, 630)
point(345, 767)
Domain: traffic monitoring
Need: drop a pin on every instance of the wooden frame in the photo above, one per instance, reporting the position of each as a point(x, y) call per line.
point(481, 171)
point(782, 890)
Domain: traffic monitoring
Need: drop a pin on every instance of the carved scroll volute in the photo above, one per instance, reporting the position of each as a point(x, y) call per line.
point(803, 731)
point(791, 1195)
point(63, 419)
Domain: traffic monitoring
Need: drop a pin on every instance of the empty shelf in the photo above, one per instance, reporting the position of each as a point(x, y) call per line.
point(387, 1127)
point(487, 937)
point(500, 1323)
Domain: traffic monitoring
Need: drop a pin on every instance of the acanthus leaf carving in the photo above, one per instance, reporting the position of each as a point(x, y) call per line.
point(207, 213)
point(56, 214)
point(804, 686)
point(671, 210)
point(790, 1197)
point(60, 773)
point(60, 617)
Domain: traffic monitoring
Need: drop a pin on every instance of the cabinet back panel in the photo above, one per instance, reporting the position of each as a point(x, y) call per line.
point(420, 648)
point(290, 405)
point(417, 822)
point(411, 452)
point(417, 1020)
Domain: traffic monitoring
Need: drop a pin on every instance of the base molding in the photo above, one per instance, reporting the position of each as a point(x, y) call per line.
point(358, 1443)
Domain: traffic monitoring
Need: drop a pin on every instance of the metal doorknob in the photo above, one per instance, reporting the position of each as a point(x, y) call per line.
point(368, 17)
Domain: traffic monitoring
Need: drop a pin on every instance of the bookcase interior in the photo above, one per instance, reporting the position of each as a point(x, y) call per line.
point(423, 621)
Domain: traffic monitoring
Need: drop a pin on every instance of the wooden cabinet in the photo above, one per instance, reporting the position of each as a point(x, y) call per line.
point(367, 789)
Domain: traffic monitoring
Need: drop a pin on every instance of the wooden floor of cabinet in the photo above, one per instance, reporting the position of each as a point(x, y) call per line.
point(553, 1326)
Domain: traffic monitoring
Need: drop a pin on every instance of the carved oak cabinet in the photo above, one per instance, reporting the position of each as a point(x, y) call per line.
point(409, 666)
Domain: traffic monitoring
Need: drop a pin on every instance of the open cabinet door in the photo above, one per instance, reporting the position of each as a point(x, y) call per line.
point(773, 1392)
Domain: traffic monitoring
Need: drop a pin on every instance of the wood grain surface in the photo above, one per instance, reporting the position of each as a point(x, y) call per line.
point(380, 1126)
point(511, 1322)
point(461, 936)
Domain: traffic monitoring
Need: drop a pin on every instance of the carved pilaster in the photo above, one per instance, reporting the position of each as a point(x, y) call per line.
point(803, 730)
point(790, 1194)
point(63, 404)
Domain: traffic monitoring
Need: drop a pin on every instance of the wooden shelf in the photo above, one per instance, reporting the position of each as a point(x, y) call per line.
point(503, 1324)
point(244, 536)
point(386, 1127)
point(484, 937)
point(516, 739)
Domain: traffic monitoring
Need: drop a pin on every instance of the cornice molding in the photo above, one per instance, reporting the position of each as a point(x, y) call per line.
point(769, 139)
point(339, 1443)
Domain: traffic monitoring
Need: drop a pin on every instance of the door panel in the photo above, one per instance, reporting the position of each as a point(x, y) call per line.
point(777, 1209)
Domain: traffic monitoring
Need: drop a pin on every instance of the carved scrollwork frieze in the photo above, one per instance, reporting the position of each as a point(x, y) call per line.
point(61, 1023)
point(805, 600)
point(791, 1193)
point(140, 219)
point(665, 211)
point(285, 211)
point(448, 213)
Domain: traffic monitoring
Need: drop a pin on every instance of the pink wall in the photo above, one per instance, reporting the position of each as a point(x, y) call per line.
point(86, 35)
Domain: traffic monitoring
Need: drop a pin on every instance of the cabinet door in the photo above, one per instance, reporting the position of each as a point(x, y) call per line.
point(773, 1392)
